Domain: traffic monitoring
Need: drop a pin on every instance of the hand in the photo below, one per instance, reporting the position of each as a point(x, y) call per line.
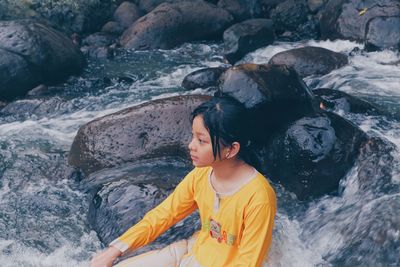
point(105, 258)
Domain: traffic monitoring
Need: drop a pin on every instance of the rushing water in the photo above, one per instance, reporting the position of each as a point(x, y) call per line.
point(43, 209)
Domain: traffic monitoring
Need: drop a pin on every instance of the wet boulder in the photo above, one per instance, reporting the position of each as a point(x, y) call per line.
point(310, 60)
point(383, 33)
point(315, 5)
point(345, 19)
point(203, 78)
point(289, 14)
point(310, 156)
point(275, 95)
point(170, 25)
point(35, 54)
point(241, 9)
point(16, 76)
point(247, 36)
point(292, 22)
point(69, 16)
point(148, 5)
point(126, 14)
point(153, 129)
point(123, 195)
point(338, 101)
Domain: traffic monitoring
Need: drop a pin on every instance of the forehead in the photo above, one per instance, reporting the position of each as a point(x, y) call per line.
point(198, 126)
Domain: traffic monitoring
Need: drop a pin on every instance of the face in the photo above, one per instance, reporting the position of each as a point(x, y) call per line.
point(200, 147)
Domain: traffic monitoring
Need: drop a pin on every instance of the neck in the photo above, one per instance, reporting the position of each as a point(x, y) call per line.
point(228, 169)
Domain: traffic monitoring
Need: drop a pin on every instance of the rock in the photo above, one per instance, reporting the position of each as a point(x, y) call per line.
point(311, 155)
point(267, 6)
point(46, 55)
point(16, 76)
point(335, 100)
point(345, 19)
point(126, 14)
point(154, 129)
point(289, 14)
point(292, 21)
point(383, 33)
point(254, 85)
point(267, 90)
point(241, 9)
point(310, 60)
point(98, 39)
point(112, 27)
point(246, 37)
point(170, 25)
point(203, 78)
point(148, 5)
point(315, 5)
point(123, 195)
point(69, 16)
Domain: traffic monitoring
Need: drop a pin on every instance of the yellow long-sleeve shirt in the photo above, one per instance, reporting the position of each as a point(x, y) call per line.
point(236, 228)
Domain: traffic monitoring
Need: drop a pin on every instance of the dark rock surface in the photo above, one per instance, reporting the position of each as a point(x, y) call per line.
point(289, 14)
point(345, 19)
point(203, 78)
point(170, 25)
point(315, 5)
point(16, 76)
point(242, 9)
point(154, 129)
point(255, 85)
point(123, 195)
point(126, 14)
point(35, 54)
point(310, 60)
point(313, 154)
point(335, 100)
point(247, 36)
point(383, 33)
point(69, 16)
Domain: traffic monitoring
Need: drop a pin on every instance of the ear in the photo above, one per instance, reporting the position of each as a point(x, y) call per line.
point(233, 150)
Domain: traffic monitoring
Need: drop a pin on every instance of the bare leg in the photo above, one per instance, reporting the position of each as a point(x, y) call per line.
point(170, 256)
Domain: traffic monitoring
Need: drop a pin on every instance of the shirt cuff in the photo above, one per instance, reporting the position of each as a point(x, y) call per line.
point(119, 245)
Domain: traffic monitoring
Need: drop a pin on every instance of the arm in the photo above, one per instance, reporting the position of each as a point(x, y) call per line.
point(257, 235)
point(174, 208)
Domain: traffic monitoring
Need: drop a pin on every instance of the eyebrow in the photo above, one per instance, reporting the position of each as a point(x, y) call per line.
point(199, 133)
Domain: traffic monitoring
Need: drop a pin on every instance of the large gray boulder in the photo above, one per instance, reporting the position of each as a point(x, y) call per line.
point(69, 16)
point(303, 148)
point(154, 129)
point(310, 156)
point(383, 33)
point(34, 53)
point(345, 19)
point(310, 60)
point(247, 36)
point(124, 194)
point(242, 9)
point(170, 25)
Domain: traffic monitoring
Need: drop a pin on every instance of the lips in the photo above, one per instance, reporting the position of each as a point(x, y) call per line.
point(193, 157)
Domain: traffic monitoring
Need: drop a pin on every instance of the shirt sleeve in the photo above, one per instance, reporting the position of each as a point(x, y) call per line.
point(257, 235)
point(174, 208)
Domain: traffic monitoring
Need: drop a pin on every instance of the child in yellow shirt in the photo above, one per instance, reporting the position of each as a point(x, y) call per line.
point(236, 203)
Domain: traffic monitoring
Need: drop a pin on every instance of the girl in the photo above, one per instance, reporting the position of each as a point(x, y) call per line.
point(236, 203)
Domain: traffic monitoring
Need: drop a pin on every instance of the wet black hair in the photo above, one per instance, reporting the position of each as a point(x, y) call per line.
point(227, 121)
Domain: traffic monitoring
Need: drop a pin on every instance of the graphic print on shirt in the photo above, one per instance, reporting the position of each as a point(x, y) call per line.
point(216, 231)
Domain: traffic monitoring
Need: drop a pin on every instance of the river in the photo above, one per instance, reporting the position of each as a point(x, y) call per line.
point(43, 208)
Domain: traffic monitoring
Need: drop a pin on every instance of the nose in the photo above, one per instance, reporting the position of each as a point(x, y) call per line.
point(191, 145)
